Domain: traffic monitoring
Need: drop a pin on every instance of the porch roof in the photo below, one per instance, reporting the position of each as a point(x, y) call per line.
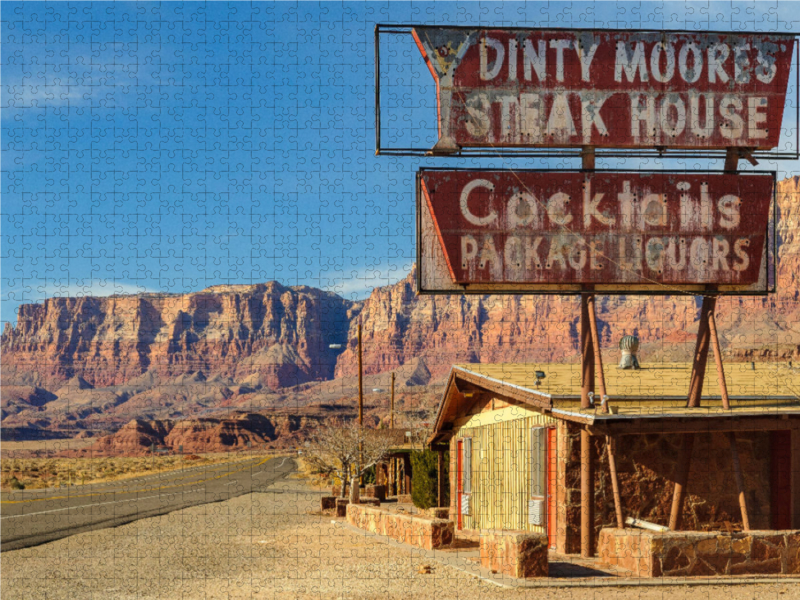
point(654, 396)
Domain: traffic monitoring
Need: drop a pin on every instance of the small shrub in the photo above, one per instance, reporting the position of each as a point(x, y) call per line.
point(15, 484)
point(424, 479)
point(369, 476)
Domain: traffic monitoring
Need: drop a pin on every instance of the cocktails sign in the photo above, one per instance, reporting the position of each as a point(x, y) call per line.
point(573, 230)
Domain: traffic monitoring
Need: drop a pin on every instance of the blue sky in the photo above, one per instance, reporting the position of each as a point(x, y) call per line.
point(173, 146)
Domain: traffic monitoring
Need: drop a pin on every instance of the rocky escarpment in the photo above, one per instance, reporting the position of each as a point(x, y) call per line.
point(236, 431)
point(266, 334)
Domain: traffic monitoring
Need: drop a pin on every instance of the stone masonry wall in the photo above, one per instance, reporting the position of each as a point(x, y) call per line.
point(646, 465)
point(514, 553)
point(416, 530)
point(692, 554)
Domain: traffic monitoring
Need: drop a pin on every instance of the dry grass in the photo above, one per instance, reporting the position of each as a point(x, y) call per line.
point(307, 472)
point(36, 473)
point(8, 449)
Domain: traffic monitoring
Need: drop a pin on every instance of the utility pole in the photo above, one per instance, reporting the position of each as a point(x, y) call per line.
point(360, 379)
point(391, 410)
point(360, 402)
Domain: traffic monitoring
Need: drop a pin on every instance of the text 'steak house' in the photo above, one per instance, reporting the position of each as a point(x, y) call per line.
point(513, 431)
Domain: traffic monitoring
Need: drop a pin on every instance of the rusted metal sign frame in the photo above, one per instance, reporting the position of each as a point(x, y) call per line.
point(770, 246)
point(406, 29)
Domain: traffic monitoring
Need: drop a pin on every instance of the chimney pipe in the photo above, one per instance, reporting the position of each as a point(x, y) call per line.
point(629, 345)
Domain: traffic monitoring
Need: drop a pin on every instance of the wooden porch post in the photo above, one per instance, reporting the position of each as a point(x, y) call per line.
point(587, 463)
point(407, 472)
point(601, 381)
point(681, 478)
point(795, 475)
point(440, 479)
point(737, 472)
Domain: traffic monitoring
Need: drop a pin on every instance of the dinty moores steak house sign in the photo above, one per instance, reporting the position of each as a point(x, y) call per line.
point(515, 88)
point(603, 228)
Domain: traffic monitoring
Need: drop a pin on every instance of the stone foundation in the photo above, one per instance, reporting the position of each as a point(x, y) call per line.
point(691, 554)
point(376, 491)
point(419, 531)
point(327, 502)
point(514, 553)
point(341, 506)
point(437, 513)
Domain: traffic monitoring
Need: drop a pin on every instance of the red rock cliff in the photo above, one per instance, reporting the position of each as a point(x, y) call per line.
point(269, 333)
point(276, 336)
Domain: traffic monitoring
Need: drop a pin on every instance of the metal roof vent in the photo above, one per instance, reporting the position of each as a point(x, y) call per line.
point(629, 345)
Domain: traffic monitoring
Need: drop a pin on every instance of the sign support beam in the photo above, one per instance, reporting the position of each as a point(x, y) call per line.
point(695, 393)
point(587, 461)
point(601, 382)
point(701, 352)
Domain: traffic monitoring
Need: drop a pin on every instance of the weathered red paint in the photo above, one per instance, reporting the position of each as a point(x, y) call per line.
point(530, 87)
point(572, 227)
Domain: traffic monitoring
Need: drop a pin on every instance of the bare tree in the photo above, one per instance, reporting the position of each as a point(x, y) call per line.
point(345, 449)
point(419, 424)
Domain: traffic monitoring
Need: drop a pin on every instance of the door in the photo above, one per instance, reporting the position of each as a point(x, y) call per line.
point(552, 522)
point(780, 446)
point(460, 480)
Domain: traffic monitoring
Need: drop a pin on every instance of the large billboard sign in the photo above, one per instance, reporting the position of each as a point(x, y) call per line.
point(610, 232)
point(519, 88)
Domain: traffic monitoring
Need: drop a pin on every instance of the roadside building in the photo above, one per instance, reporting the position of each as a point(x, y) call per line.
point(513, 431)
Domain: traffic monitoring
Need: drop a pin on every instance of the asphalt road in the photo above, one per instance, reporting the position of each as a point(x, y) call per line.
point(29, 518)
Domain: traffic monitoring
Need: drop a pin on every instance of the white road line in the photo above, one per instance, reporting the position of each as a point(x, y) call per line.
point(44, 512)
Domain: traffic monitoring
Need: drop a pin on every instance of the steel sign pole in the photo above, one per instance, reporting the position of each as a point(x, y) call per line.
point(587, 462)
point(723, 386)
point(601, 381)
point(695, 393)
point(701, 352)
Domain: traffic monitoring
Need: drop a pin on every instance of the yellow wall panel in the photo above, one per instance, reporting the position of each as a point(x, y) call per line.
point(501, 467)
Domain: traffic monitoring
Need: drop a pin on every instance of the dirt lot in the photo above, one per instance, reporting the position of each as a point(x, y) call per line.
point(271, 545)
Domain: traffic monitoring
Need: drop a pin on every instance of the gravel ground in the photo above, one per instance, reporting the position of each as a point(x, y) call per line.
point(272, 545)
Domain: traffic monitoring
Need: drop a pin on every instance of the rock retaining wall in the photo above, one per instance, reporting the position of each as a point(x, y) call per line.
point(514, 553)
point(689, 553)
point(646, 467)
point(420, 531)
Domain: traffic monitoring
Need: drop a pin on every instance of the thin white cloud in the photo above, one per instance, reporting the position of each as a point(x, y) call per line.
point(359, 284)
point(36, 291)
